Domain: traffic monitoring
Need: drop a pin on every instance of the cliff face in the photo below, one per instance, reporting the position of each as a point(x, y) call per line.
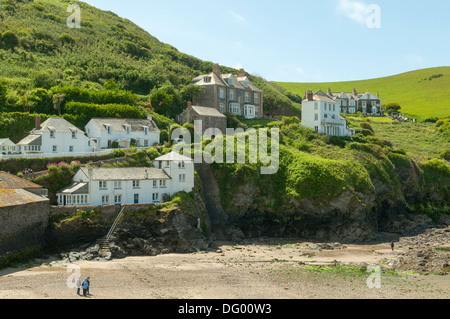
point(347, 217)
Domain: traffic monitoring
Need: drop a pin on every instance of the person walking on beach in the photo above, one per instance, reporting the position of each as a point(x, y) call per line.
point(392, 245)
point(78, 283)
point(85, 286)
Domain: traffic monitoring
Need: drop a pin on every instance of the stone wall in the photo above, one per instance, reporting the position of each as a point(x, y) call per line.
point(23, 227)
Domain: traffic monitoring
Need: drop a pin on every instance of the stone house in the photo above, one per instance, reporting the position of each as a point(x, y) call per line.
point(230, 93)
point(24, 214)
point(213, 122)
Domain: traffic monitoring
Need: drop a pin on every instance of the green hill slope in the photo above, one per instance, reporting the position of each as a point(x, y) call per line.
point(423, 93)
point(39, 50)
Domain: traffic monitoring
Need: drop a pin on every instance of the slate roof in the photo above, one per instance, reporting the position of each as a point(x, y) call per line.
point(126, 173)
point(32, 139)
point(207, 111)
point(118, 125)
point(15, 197)
point(76, 188)
point(9, 181)
point(174, 156)
point(59, 125)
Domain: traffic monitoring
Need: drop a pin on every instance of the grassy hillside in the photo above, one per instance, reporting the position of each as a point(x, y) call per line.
point(39, 51)
point(422, 93)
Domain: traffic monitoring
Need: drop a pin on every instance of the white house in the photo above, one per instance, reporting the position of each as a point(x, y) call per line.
point(323, 115)
point(106, 131)
point(7, 147)
point(104, 186)
point(55, 136)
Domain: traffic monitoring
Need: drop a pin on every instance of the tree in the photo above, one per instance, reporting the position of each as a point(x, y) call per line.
point(26, 103)
point(392, 108)
point(10, 40)
point(57, 101)
point(42, 99)
point(3, 92)
point(161, 102)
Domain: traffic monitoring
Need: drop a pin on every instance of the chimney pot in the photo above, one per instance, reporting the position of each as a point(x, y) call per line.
point(216, 69)
point(38, 122)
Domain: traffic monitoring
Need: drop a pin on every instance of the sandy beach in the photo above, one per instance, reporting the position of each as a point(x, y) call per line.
point(270, 269)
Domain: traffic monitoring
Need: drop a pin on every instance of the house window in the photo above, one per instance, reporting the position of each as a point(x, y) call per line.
point(207, 79)
point(102, 185)
point(222, 108)
point(247, 97)
point(162, 184)
point(127, 128)
point(325, 116)
point(155, 197)
point(145, 143)
point(182, 177)
point(136, 198)
point(155, 184)
point(74, 134)
point(105, 199)
point(256, 98)
point(316, 117)
point(55, 148)
point(222, 93)
point(181, 165)
point(236, 108)
point(146, 130)
point(117, 184)
point(232, 95)
point(316, 106)
point(231, 81)
point(71, 149)
point(316, 128)
point(334, 108)
point(108, 129)
point(52, 134)
point(118, 199)
point(136, 184)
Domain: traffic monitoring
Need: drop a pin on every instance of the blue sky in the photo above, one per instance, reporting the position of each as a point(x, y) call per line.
point(300, 41)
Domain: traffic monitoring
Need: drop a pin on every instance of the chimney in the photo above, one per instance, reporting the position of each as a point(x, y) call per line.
point(329, 92)
point(189, 105)
point(146, 174)
point(37, 122)
point(378, 95)
point(310, 96)
point(354, 92)
point(241, 72)
point(217, 107)
point(150, 118)
point(216, 69)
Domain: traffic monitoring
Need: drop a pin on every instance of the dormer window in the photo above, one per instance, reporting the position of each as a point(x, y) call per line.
point(52, 134)
point(128, 129)
point(74, 134)
point(207, 79)
point(230, 81)
point(146, 130)
point(108, 129)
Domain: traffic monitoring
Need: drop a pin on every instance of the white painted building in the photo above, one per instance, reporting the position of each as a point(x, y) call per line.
point(7, 146)
point(106, 131)
point(323, 115)
point(56, 136)
point(171, 174)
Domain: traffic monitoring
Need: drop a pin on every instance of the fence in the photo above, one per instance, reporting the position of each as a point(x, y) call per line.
point(57, 155)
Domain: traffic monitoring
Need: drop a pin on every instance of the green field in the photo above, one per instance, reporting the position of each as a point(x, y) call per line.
point(422, 93)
